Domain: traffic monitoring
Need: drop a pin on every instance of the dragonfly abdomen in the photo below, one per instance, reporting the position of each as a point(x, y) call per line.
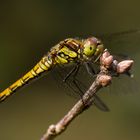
point(41, 67)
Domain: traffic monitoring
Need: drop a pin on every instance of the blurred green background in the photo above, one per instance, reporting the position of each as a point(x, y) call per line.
point(28, 28)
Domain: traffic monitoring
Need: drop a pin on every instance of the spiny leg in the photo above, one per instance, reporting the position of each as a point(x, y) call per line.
point(73, 73)
point(77, 86)
point(81, 93)
point(90, 69)
point(97, 101)
point(74, 70)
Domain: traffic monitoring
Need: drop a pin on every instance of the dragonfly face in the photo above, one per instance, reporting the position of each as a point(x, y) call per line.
point(92, 49)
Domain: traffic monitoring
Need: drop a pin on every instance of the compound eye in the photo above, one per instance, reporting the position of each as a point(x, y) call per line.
point(89, 49)
point(90, 46)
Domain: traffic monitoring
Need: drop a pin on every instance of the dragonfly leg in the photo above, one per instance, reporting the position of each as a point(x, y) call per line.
point(76, 83)
point(80, 91)
point(96, 100)
point(73, 73)
point(90, 69)
point(74, 70)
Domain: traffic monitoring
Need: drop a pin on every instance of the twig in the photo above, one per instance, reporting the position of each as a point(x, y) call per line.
point(103, 79)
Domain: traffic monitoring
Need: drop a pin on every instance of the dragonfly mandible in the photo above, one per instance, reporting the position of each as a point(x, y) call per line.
point(74, 51)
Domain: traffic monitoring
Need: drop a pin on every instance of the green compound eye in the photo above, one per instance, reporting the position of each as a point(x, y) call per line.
point(90, 46)
point(89, 50)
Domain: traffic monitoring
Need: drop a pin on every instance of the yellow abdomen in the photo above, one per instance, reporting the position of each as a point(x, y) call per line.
point(38, 69)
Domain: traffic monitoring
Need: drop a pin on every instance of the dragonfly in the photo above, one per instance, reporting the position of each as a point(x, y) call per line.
point(69, 51)
point(65, 52)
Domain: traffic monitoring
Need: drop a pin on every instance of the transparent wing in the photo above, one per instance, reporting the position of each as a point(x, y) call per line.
point(126, 44)
point(77, 87)
point(96, 99)
point(100, 104)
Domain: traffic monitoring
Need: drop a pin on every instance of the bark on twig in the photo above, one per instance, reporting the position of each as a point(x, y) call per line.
point(103, 79)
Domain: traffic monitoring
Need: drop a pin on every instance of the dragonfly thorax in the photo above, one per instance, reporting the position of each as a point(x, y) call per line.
point(75, 51)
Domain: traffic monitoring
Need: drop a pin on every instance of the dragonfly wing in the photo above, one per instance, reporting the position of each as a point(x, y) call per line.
point(120, 44)
point(116, 35)
point(77, 90)
point(96, 100)
point(100, 104)
point(128, 41)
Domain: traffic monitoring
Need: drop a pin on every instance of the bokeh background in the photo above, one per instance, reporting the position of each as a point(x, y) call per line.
point(28, 28)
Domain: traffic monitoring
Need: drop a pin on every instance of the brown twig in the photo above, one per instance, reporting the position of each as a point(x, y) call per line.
point(103, 79)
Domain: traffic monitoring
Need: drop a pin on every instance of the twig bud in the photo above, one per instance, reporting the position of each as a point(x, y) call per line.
point(104, 80)
point(106, 59)
point(124, 66)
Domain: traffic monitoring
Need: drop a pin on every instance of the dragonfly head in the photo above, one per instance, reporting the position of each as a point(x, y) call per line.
point(93, 48)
